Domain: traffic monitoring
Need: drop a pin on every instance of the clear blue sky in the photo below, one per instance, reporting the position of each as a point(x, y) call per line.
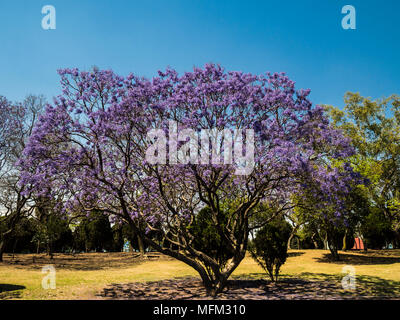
point(303, 38)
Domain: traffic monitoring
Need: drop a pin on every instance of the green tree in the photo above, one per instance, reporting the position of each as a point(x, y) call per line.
point(269, 247)
point(374, 129)
point(17, 121)
point(20, 240)
point(53, 233)
point(94, 233)
point(377, 229)
point(118, 238)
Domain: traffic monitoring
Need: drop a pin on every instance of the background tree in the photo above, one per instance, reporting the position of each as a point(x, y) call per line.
point(94, 233)
point(335, 230)
point(377, 229)
point(16, 124)
point(297, 220)
point(118, 238)
point(20, 240)
point(311, 236)
point(374, 127)
point(53, 234)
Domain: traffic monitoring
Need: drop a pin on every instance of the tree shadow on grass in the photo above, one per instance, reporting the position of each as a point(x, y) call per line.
point(257, 286)
point(295, 254)
point(356, 259)
point(365, 286)
point(320, 286)
point(10, 291)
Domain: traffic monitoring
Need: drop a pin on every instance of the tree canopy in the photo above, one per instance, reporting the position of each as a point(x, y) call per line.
point(93, 144)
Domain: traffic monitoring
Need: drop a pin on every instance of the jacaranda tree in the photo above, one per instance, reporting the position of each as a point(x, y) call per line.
point(155, 152)
point(16, 124)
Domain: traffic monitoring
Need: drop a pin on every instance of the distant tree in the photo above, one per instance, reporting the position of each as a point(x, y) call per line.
point(16, 124)
point(94, 232)
point(334, 229)
point(297, 220)
point(374, 128)
point(310, 236)
point(79, 239)
point(20, 240)
point(136, 240)
point(52, 232)
point(377, 229)
point(118, 238)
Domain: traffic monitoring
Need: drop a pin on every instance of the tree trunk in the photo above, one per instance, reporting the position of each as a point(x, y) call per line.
point(365, 242)
point(2, 248)
point(315, 243)
point(214, 287)
point(271, 272)
point(289, 246)
point(344, 248)
point(292, 234)
point(326, 245)
point(14, 246)
point(141, 245)
point(50, 250)
point(216, 283)
point(333, 249)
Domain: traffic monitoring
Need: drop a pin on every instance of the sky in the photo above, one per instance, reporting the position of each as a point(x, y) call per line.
point(302, 38)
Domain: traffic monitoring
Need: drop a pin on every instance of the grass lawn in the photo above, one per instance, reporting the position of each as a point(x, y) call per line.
point(83, 275)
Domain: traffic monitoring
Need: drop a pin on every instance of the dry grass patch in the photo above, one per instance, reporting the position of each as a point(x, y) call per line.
point(82, 276)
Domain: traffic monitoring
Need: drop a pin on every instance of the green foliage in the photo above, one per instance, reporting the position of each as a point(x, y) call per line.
point(269, 247)
point(207, 237)
point(329, 227)
point(118, 238)
point(374, 128)
point(59, 233)
point(20, 239)
point(135, 239)
point(94, 233)
point(53, 234)
point(377, 229)
point(310, 237)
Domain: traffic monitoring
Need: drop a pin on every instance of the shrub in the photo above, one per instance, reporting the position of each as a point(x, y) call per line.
point(269, 247)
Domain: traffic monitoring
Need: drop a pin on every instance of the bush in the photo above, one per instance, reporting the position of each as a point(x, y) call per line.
point(269, 247)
